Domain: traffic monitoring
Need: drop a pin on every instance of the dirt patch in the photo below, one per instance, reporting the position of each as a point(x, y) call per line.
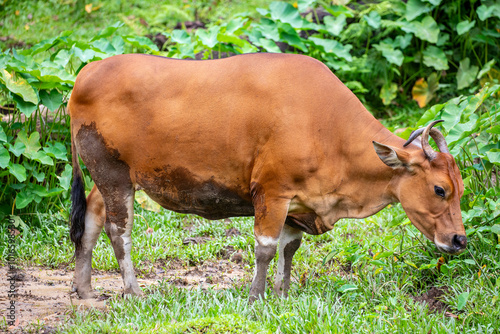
point(433, 299)
point(44, 296)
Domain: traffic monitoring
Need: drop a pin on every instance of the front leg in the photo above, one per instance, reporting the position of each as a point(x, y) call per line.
point(270, 215)
point(290, 239)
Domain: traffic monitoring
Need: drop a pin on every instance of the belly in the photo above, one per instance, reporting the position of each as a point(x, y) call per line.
point(180, 191)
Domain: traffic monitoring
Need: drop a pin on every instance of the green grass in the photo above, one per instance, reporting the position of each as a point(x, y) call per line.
point(378, 295)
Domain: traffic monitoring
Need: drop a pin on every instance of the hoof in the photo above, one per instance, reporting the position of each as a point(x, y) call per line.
point(133, 291)
point(85, 294)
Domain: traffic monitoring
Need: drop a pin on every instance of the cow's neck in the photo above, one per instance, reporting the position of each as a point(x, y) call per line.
point(364, 185)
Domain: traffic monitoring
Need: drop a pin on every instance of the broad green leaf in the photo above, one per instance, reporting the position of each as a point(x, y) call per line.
point(430, 114)
point(426, 30)
point(495, 129)
point(486, 68)
point(347, 287)
point(494, 155)
point(65, 178)
point(495, 229)
point(485, 12)
point(208, 37)
point(83, 55)
point(38, 190)
point(333, 47)
point(48, 73)
point(108, 31)
point(290, 36)
point(388, 92)
point(56, 150)
point(466, 74)
point(335, 25)
point(286, 13)
point(119, 44)
point(462, 300)
point(62, 58)
point(403, 41)
point(32, 144)
point(52, 100)
point(230, 40)
point(18, 171)
point(54, 192)
point(415, 8)
point(4, 157)
point(393, 55)
point(26, 108)
point(18, 148)
point(465, 26)
point(180, 37)
point(43, 158)
point(44, 45)
point(235, 24)
point(19, 86)
point(269, 29)
point(451, 115)
point(24, 198)
point(461, 130)
point(39, 176)
point(303, 5)
point(469, 261)
point(140, 42)
point(373, 19)
point(435, 57)
point(337, 10)
point(269, 45)
point(3, 135)
point(105, 47)
point(356, 87)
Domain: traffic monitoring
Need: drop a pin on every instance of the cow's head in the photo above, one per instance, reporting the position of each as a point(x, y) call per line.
point(429, 186)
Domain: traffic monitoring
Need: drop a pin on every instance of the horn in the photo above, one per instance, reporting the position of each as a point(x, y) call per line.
point(435, 134)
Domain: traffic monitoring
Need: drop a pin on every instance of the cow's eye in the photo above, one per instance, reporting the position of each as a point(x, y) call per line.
point(439, 191)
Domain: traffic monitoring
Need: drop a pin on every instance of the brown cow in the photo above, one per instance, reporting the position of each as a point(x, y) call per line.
point(275, 136)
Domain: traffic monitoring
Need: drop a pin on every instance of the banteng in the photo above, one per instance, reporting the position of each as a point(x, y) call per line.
point(275, 136)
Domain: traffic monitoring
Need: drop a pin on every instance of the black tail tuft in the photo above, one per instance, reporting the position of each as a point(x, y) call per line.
point(79, 204)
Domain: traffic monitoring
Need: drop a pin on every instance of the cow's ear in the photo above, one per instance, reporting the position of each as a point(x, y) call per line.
point(391, 156)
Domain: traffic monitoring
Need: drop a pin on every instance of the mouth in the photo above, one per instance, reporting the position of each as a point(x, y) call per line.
point(447, 249)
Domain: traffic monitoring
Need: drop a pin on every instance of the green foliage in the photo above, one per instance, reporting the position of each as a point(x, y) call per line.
point(405, 36)
point(38, 80)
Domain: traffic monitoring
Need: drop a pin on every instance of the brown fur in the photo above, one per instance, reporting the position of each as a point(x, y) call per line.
point(277, 136)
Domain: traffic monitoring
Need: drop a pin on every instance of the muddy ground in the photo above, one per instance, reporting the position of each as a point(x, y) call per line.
point(44, 297)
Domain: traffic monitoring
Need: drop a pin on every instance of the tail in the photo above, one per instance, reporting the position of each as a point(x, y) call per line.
point(79, 202)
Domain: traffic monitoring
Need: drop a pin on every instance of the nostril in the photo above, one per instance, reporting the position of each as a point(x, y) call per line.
point(459, 241)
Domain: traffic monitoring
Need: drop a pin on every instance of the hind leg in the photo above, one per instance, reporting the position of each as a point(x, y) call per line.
point(118, 226)
point(94, 221)
point(290, 239)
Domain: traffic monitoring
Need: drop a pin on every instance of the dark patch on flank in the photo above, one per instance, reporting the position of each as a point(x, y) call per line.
point(112, 178)
point(180, 190)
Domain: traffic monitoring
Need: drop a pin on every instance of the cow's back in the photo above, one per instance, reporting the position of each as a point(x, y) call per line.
point(196, 134)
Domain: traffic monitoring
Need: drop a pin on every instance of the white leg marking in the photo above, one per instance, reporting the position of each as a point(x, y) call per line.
point(288, 234)
point(266, 241)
